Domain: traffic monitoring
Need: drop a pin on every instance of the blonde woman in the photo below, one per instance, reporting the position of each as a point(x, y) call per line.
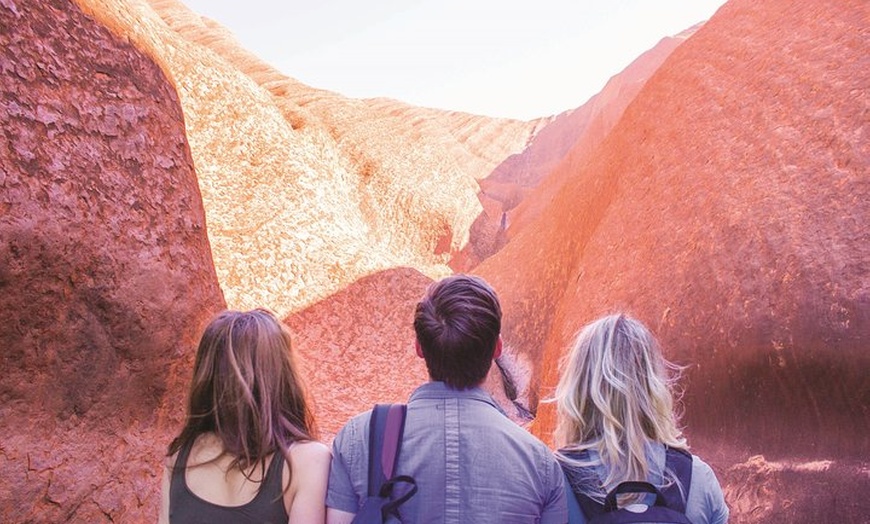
point(616, 423)
point(247, 451)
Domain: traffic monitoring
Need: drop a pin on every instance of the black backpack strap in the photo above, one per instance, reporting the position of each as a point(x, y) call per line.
point(632, 486)
point(386, 427)
point(590, 508)
point(679, 462)
point(392, 507)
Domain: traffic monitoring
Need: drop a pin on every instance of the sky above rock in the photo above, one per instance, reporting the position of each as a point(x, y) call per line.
point(508, 58)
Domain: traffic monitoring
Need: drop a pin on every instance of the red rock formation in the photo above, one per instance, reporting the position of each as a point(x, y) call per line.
point(307, 191)
point(727, 210)
point(759, 490)
point(578, 132)
point(105, 270)
point(357, 346)
point(297, 208)
point(586, 126)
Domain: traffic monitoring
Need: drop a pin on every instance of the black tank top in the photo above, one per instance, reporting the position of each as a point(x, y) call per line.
point(267, 507)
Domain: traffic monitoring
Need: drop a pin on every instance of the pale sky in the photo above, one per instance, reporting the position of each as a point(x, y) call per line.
point(497, 58)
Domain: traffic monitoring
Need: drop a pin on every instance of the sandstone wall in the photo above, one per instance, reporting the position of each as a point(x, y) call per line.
point(727, 210)
point(519, 188)
point(307, 191)
point(357, 346)
point(105, 269)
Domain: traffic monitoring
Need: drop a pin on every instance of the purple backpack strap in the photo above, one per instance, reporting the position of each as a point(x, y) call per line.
point(385, 441)
point(679, 462)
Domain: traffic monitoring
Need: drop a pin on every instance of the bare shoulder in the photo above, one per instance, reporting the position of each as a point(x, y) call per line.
point(305, 497)
point(310, 452)
point(312, 458)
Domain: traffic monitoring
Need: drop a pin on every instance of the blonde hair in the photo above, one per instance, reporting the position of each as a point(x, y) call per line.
point(245, 389)
point(614, 396)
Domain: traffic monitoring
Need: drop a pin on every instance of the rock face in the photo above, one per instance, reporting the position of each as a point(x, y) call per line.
point(577, 132)
point(306, 191)
point(727, 209)
point(724, 203)
point(357, 346)
point(314, 205)
point(105, 270)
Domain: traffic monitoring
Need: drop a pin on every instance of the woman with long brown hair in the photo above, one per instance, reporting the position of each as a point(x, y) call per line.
point(247, 452)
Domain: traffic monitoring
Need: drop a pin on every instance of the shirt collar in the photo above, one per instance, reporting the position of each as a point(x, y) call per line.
point(435, 390)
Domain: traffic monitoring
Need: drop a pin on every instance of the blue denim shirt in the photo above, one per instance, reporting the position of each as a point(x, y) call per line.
point(472, 463)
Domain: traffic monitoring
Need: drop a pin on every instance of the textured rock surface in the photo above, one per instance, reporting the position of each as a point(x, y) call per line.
point(105, 269)
point(728, 210)
point(103, 228)
point(306, 191)
point(823, 490)
point(357, 346)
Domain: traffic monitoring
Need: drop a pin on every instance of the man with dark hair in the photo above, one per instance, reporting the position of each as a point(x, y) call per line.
point(471, 463)
point(458, 324)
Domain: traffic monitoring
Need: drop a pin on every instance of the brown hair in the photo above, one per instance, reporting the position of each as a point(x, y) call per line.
point(457, 324)
point(245, 389)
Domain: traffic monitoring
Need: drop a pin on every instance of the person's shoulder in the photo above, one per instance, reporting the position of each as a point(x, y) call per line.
point(310, 448)
point(353, 430)
point(705, 494)
point(518, 432)
point(356, 422)
point(698, 465)
point(310, 452)
point(702, 474)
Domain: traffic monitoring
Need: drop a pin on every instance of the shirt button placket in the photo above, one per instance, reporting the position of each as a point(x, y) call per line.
point(452, 488)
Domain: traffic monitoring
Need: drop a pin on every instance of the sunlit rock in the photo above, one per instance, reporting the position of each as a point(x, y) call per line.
point(577, 132)
point(307, 191)
point(727, 209)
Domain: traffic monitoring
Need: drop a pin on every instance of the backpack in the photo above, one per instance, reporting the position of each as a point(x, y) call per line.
point(385, 441)
point(669, 505)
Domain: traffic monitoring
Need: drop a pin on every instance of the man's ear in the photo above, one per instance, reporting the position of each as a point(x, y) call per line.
point(418, 348)
point(497, 352)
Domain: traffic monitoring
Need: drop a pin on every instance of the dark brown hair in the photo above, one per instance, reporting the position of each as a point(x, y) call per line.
point(458, 323)
point(245, 389)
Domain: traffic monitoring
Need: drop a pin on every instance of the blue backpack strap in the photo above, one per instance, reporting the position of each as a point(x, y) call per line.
point(679, 462)
point(386, 427)
point(575, 514)
point(588, 506)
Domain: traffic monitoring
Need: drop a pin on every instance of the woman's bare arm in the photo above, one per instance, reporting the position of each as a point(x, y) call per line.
point(306, 498)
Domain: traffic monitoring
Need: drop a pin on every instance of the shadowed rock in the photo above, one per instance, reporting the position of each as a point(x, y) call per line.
point(105, 269)
point(357, 346)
